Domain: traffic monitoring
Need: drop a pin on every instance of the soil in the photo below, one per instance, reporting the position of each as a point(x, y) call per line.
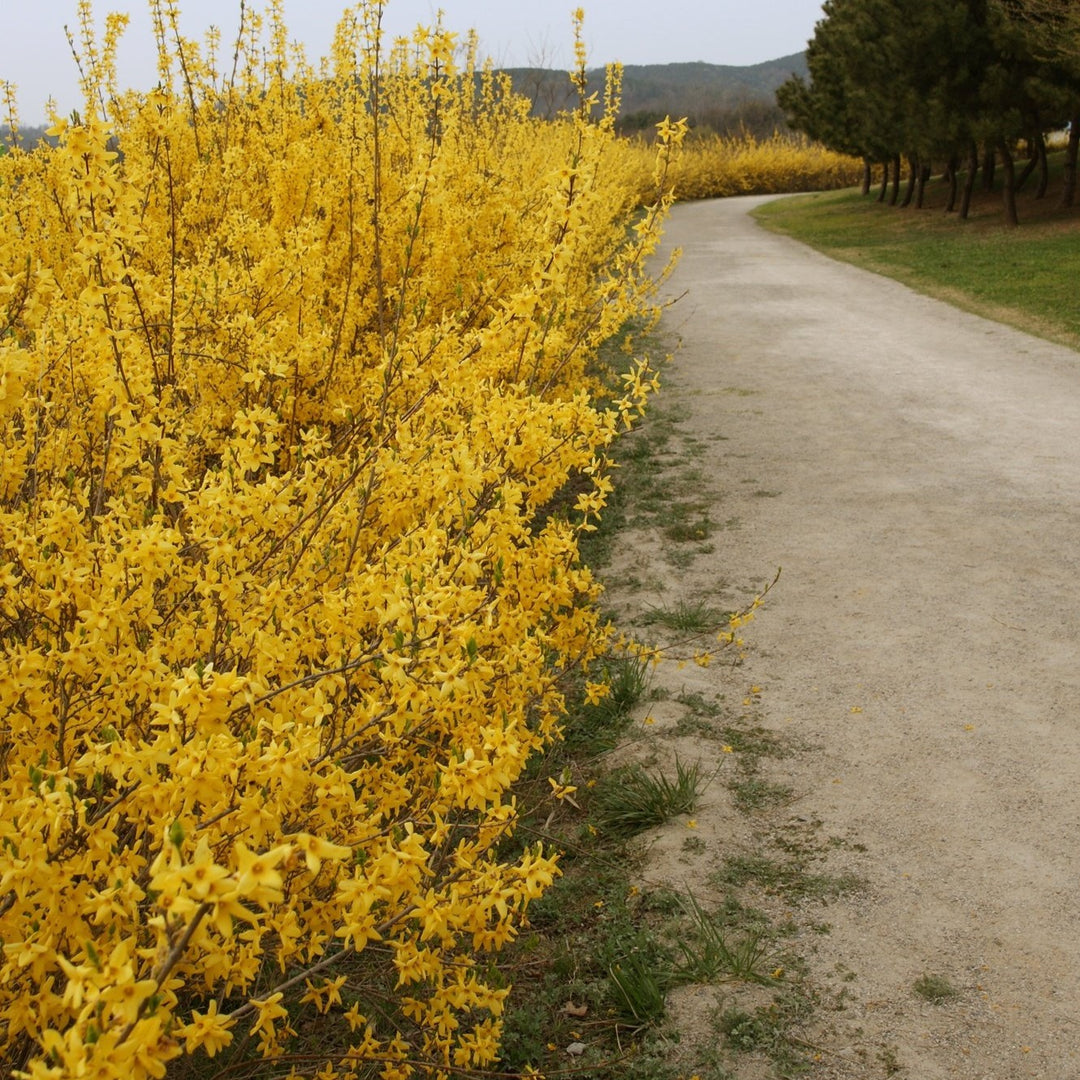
point(915, 471)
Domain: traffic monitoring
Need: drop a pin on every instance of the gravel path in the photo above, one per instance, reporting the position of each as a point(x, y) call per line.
point(923, 473)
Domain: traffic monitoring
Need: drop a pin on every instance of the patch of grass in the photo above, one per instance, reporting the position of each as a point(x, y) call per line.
point(629, 800)
point(687, 616)
point(888, 1058)
point(639, 987)
point(712, 949)
point(935, 988)
point(637, 483)
point(789, 877)
point(1024, 276)
point(596, 729)
point(591, 969)
point(653, 1061)
point(696, 703)
point(627, 678)
point(747, 1031)
point(752, 794)
point(692, 724)
point(682, 557)
point(687, 523)
point(772, 1030)
point(664, 902)
point(700, 717)
point(754, 741)
point(657, 485)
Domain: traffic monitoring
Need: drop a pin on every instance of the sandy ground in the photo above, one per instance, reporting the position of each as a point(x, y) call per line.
point(916, 472)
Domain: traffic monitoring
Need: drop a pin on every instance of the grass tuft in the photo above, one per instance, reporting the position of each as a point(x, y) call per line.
point(712, 950)
point(596, 729)
point(752, 794)
point(687, 616)
point(630, 800)
point(788, 877)
point(638, 986)
point(935, 988)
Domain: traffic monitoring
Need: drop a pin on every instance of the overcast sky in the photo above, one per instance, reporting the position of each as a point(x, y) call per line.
point(34, 53)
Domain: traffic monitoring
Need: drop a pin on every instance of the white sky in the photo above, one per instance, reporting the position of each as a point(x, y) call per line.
point(34, 53)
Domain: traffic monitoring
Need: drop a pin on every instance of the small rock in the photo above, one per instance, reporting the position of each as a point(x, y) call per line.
point(575, 1049)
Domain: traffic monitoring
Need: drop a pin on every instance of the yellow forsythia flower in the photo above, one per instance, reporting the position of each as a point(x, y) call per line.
point(295, 362)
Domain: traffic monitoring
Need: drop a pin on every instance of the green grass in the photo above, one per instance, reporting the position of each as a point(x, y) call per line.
point(689, 522)
point(755, 742)
point(658, 482)
point(595, 729)
point(630, 800)
point(1025, 277)
point(935, 988)
point(639, 987)
point(787, 877)
point(752, 793)
point(687, 616)
point(712, 950)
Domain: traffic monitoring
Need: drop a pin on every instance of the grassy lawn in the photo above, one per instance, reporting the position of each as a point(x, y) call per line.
point(1026, 277)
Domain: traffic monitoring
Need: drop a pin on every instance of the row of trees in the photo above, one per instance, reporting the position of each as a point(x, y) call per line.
point(715, 100)
point(758, 118)
point(954, 83)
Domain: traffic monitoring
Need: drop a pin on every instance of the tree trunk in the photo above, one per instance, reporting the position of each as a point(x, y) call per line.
point(920, 185)
point(1029, 168)
point(1008, 187)
point(866, 176)
point(895, 180)
point(969, 180)
point(884, 181)
point(1068, 192)
point(913, 172)
point(951, 171)
point(989, 161)
point(1044, 168)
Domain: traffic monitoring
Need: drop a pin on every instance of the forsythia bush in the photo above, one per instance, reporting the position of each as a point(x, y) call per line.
point(292, 365)
point(713, 167)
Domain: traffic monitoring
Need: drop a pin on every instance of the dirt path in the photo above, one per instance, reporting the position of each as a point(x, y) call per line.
point(916, 473)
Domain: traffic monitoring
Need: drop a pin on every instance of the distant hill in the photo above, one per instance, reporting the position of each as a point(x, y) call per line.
point(710, 95)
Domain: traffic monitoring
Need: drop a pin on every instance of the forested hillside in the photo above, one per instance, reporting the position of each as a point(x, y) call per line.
point(721, 98)
point(960, 85)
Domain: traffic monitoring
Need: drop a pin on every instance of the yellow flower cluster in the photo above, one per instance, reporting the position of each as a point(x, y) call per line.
point(293, 364)
point(714, 167)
